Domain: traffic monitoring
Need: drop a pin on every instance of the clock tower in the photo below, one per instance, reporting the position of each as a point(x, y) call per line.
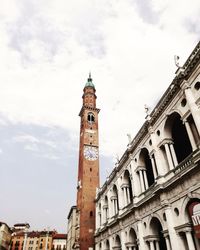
point(88, 169)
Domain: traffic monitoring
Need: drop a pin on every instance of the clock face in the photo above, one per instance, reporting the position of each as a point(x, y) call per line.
point(91, 153)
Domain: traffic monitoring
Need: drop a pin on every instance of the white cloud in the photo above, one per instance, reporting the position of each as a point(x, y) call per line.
point(47, 51)
point(31, 147)
point(26, 138)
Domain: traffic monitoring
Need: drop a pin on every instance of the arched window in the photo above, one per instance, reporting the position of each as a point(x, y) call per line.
point(197, 85)
point(176, 130)
point(90, 117)
point(157, 232)
point(115, 201)
point(127, 188)
point(147, 175)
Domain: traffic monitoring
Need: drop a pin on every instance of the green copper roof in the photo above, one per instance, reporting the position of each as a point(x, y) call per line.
point(89, 82)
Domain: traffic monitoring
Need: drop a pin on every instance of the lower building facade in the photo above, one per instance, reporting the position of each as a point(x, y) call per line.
point(72, 229)
point(5, 236)
point(59, 242)
point(33, 240)
point(151, 200)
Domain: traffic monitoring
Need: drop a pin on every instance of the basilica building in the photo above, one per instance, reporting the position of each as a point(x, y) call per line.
point(151, 199)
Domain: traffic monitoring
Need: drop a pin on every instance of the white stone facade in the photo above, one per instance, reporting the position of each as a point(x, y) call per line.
point(72, 228)
point(145, 202)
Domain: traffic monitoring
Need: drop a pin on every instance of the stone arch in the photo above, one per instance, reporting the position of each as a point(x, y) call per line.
point(191, 220)
point(171, 111)
point(156, 232)
point(117, 243)
point(126, 176)
point(132, 239)
point(115, 199)
point(106, 208)
point(175, 130)
point(145, 161)
point(186, 201)
point(154, 215)
point(127, 185)
point(168, 124)
point(90, 117)
point(107, 245)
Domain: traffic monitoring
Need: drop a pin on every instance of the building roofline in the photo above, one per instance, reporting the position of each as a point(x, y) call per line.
point(70, 211)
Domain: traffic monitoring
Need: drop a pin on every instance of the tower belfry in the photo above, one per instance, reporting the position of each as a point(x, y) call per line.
point(88, 168)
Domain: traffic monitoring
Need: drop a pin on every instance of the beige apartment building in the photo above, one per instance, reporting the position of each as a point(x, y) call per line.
point(34, 240)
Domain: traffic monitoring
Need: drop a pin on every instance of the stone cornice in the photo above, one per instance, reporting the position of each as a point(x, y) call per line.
point(88, 108)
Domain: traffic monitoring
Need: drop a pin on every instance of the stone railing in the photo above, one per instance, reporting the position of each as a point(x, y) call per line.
point(188, 161)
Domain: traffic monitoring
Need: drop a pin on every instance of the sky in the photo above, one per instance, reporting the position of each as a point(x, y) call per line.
point(47, 49)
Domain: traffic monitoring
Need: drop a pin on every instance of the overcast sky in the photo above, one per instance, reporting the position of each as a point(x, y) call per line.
point(47, 49)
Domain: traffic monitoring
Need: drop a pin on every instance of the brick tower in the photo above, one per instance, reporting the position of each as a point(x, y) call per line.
point(88, 169)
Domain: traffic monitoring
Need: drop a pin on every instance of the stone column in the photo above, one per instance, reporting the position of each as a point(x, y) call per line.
point(167, 243)
point(109, 206)
point(142, 245)
point(181, 241)
point(173, 155)
point(96, 217)
point(141, 181)
point(120, 195)
point(190, 240)
point(169, 158)
point(157, 154)
point(116, 207)
point(190, 135)
point(158, 160)
point(104, 214)
point(111, 242)
point(145, 179)
point(128, 194)
point(153, 167)
point(151, 245)
point(192, 105)
point(124, 194)
point(134, 180)
point(157, 245)
point(113, 207)
point(100, 219)
point(123, 240)
point(172, 233)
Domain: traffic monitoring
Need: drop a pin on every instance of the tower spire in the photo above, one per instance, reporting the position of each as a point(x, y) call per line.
point(89, 82)
point(90, 75)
